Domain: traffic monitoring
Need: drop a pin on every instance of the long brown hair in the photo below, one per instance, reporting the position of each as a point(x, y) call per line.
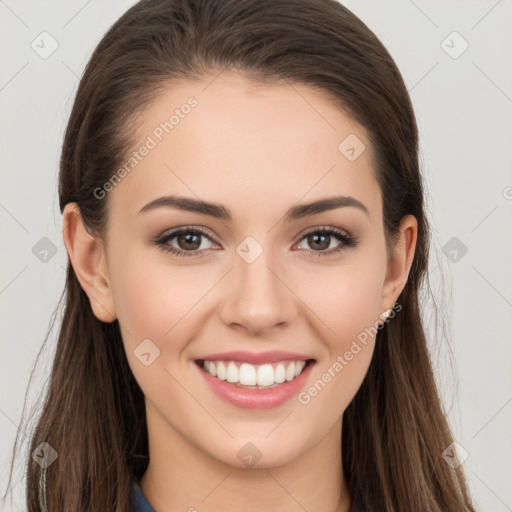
point(93, 412)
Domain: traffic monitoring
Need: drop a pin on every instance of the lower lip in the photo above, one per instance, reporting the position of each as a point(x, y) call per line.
point(256, 398)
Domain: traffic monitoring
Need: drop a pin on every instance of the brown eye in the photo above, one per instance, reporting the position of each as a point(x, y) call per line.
point(320, 240)
point(188, 241)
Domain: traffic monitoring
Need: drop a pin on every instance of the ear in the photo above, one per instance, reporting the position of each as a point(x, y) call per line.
point(87, 256)
point(400, 262)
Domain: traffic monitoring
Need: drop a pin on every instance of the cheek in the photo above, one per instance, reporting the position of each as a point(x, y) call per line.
point(346, 300)
point(150, 296)
point(154, 302)
point(348, 307)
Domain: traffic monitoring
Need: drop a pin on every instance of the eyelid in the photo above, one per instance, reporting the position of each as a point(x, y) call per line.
point(326, 228)
point(187, 227)
point(208, 233)
point(171, 233)
point(344, 237)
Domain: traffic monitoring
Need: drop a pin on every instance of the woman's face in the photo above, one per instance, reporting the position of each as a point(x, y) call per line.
point(258, 279)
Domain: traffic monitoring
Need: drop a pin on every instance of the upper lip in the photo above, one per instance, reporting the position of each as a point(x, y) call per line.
point(273, 356)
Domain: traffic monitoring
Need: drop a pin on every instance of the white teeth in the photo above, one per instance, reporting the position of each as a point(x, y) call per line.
point(246, 374)
point(290, 372)
point(221, 370)
point(280, 373)
point(232, 374)
point(265, 375)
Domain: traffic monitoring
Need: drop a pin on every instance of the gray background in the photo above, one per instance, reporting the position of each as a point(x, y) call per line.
point(463, 103)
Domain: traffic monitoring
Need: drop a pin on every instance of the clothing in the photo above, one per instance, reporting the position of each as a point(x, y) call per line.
point(139, 501)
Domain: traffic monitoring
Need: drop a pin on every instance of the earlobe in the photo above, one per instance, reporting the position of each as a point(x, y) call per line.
point(86, 254)
point(400, 262)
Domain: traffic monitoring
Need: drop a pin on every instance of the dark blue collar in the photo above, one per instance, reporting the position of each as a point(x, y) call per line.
point(140, 502)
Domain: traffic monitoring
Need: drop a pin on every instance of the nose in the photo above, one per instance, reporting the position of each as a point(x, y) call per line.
point(257, 298)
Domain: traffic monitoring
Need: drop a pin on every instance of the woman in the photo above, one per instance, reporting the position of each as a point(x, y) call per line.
point(244, 218)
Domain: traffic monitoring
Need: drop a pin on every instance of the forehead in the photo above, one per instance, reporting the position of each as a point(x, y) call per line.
point(249, 145)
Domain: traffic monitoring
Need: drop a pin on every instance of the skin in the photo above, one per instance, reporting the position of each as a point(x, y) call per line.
point(257, 149)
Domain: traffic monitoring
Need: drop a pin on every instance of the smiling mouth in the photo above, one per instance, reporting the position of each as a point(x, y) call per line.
point(249, 376)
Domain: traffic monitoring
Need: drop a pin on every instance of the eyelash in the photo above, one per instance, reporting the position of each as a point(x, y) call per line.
point(347, 241)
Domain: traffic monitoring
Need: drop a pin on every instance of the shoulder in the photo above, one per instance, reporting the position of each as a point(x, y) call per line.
point(139, 501)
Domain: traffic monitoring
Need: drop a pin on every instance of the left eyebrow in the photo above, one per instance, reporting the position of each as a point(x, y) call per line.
point(323, 205)
point(221, 212)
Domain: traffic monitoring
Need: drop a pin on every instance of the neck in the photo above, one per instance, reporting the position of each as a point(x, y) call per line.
point(181, 477)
